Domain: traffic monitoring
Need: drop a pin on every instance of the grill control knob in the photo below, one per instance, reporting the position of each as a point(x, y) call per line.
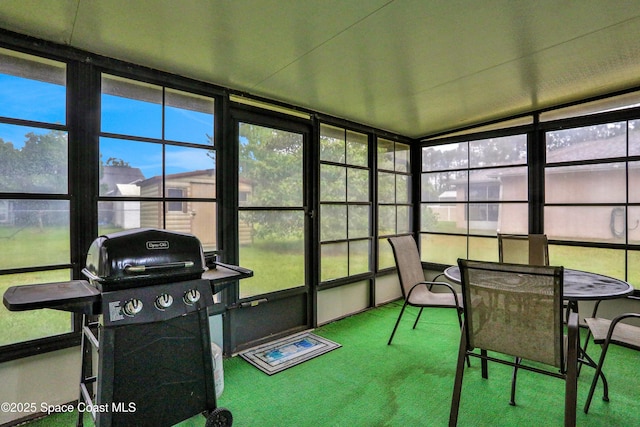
point(191, 296)
point(164, 301)
point(132, 307)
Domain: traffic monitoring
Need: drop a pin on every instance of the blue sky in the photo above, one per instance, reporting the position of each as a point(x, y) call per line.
point(45, 102)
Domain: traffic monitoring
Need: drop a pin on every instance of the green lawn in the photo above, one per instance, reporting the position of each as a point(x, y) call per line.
point(276, 267)
point(32, 246)
point(27, 247)
point(446, 249)
point(281, 266)
point(22, 247)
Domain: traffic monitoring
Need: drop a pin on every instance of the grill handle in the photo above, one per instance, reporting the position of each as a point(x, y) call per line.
point(89, 275)
point(136, 269)
point(244, 271)
point(132, 269)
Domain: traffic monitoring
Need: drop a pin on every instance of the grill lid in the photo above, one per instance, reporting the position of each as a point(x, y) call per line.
point(141, 257)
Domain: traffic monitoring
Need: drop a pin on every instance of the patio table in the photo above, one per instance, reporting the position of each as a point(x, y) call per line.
point(577, 285)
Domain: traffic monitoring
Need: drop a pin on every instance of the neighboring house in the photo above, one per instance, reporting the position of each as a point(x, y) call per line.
point(596, 183)
point(446, 210)
point(185, 214)
point(120, 181)
point(6, 211)
point(603, 184)
point(126, 214)
point(114, 175)
point(194, 217)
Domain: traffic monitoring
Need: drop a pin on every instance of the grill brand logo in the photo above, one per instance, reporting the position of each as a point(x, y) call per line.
point(157, 244)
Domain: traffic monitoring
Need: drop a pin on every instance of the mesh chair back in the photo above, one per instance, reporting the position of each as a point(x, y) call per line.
point(405, 251)
point(514, 309)
point(523, 249)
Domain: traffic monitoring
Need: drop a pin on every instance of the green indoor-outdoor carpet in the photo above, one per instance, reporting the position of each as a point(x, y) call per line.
point(409, 383)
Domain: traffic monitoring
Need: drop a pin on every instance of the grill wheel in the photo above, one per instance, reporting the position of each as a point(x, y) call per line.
point(219, 417)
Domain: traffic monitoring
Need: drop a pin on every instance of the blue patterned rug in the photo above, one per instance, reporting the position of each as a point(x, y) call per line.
point(284, 353)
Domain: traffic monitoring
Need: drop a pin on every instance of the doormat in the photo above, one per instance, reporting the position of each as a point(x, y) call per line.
point(276, 356)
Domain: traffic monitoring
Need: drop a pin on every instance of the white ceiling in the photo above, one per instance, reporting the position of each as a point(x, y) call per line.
point(414, 67)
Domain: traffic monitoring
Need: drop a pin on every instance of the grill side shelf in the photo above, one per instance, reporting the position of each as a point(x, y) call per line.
point(221, 275)
point(76, 296)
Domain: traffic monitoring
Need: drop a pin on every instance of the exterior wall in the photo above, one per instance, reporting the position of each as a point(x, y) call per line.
point(245, 230)
point(198, 218)
point(185, 220)
point(50, 379)
point(574, 187)
point(605, 186)
point(128, 216)
point(513, 217)
point(461, 219)
point(444, 212)
point(150, 212)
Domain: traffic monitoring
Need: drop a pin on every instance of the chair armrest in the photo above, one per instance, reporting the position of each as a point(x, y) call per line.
point(436, 277)
point(594, 313)
point(573, 334)
point(616, 331)
point(597, 304)
point(442, 284)
point(573, 321)
point(618, 319)
point(430, 286)
point(571, 367)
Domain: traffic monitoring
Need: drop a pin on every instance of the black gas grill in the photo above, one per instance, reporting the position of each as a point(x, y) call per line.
point(143, 257)
point(145, 309)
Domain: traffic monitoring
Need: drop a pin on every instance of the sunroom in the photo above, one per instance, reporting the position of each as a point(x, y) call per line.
point(294, 139)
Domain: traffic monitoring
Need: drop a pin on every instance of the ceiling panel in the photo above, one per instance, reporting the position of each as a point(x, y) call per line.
point(412, 67)
point(237, 43)
point(48, 20)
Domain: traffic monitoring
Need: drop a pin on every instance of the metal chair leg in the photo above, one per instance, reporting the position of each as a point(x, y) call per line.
point(459, 311)
point(397, 323)
point(571, 375)
point(457, 385)
point(512, 402)
point(598, 373)
point(418, 318)
point(484, 365)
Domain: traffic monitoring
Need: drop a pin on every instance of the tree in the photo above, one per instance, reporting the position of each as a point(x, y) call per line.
point(271, 161)
point(9, 166)
point(40, 166)
point(112, 161)
point(449, 162)
point(568, 137)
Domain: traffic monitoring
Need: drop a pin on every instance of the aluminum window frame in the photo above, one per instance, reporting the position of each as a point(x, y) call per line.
point(347, 240)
